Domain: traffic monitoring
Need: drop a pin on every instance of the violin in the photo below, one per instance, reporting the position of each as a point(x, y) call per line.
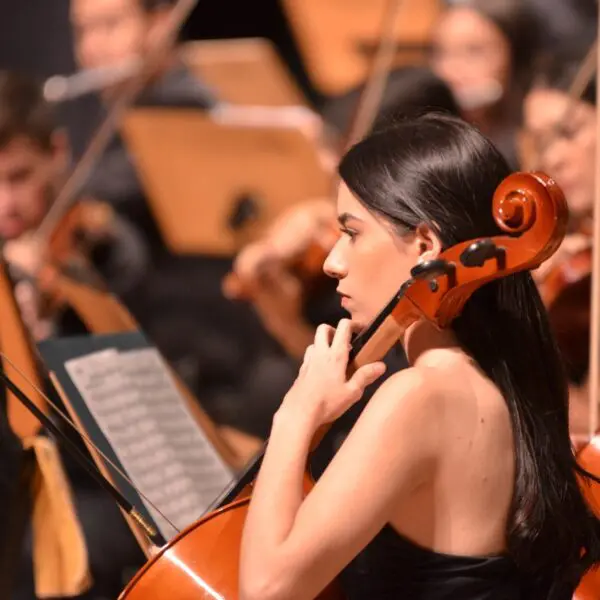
point(203, 560)
point(566, 292)
point(307, 266)
point(589, 458)
point(69, 248)
point(67, 252)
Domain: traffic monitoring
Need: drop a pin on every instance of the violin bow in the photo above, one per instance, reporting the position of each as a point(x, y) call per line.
point(594, 386)
point(372, 95)
point(362, 121)
point(104, 133)
point(582, 78)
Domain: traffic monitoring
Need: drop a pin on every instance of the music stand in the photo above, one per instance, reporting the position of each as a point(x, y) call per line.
point(211, 181)
point(243, 71)
point(337, 38)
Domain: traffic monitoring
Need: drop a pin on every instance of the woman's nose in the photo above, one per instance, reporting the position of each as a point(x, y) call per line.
point(335, 265)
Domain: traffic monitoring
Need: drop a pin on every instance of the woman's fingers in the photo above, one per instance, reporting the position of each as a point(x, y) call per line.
point(324, 336)
point(365, 376)
point(342, 337)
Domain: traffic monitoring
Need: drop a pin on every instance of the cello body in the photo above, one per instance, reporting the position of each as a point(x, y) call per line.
point(202, 562)
point(589, 459)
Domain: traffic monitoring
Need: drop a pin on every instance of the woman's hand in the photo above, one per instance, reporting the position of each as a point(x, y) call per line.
point(278, 298)
point(572, 244)
point(310, 222)
point(322, 388)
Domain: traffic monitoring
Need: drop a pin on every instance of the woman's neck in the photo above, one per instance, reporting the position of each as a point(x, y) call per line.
point(424, 343)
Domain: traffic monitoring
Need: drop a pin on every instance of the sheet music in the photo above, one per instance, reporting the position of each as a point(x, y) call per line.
point(167, 456)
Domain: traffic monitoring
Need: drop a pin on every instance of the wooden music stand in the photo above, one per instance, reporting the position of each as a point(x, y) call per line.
point(208, 181)
point(243, 71)
point(59, 551)
point(338, 37)
point(102, 313)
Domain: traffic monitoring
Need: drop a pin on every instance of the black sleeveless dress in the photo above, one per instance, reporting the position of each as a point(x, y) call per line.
point(392, 567)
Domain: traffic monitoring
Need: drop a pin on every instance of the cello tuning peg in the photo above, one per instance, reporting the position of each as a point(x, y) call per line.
point(479, 252)
point(430, 270)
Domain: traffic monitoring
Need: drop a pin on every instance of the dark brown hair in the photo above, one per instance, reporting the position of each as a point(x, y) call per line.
point(24, 112)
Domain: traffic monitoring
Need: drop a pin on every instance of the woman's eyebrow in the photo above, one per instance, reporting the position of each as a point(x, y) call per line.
point(345, 217)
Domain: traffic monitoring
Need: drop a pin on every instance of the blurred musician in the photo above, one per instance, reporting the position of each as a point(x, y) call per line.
point(279, 298)
point(34, 161)
point(483, 50)
point(562, 136)
point(110, 33)
point(34, 158)
point(219, 349)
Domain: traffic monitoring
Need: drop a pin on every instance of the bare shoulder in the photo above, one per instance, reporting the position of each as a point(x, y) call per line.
point(408, 400)
point(412, 388)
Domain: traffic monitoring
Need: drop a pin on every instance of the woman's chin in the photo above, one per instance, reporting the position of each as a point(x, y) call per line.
point(359, 322)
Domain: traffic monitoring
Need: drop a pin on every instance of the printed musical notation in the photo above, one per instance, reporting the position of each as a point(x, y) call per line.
point(166, 455)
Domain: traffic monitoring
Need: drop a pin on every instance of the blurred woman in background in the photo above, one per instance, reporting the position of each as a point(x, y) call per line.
point(483, 50)
point(561, 138)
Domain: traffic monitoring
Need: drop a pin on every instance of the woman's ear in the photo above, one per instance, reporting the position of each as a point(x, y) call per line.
point(429, 245)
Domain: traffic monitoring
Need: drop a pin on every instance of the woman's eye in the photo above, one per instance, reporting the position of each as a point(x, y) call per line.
point(568, 131)
point(349, 232)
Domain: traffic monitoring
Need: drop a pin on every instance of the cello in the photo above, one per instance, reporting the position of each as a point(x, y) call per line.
point(202, 561)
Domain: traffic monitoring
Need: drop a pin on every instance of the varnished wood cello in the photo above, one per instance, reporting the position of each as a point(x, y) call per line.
point(202, 562)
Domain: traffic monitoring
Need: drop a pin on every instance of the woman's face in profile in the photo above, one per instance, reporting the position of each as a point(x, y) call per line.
point(472, 56)
point(562, 138)
point(370, 260)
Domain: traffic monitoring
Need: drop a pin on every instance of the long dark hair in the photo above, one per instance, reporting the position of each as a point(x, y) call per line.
point(409, 91)
point(439, 170)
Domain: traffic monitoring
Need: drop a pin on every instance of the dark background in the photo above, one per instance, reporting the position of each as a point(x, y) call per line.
point(35, 36)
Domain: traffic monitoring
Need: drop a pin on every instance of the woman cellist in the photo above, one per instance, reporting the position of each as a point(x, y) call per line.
point(458, 480)
point(289, 306)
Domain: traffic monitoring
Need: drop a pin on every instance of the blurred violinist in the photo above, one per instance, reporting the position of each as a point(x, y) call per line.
point(279, 297)
point(111, 33)
point(458, 480)
point(289, 306)
point(483, 50)
point(561, 136)
point(219, 349)
point(34, 159)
